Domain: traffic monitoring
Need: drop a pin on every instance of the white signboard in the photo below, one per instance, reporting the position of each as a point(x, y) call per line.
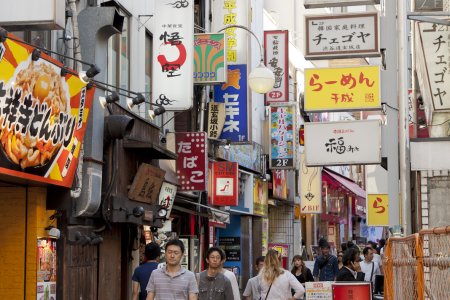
point(167, 196)
point(334, 3)
point(343, 143)
point(318, 290)
point(310, 188)
point(434, 46)
point(345, 35)
point(173, 55)
point(226, 13)
point(277, 57)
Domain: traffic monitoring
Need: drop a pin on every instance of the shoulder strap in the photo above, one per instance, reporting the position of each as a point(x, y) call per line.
point(371, 274)
point(269, 290)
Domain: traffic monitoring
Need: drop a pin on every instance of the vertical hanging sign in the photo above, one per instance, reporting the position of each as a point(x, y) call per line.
point(232, 12)
point(192, 166)
point(225, 183)
point(234, 94)
point(310, 188)
point(276, 57)
point(283, 141)
point(210, 64)
point(173, 55)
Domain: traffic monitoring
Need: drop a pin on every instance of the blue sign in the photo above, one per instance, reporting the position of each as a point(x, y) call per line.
point(234, 94)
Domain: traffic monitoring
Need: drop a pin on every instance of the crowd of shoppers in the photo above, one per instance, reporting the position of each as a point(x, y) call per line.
point(273, 282)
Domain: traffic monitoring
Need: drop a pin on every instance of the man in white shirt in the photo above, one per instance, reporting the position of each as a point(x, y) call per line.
point(369, 266)
point(253, 288)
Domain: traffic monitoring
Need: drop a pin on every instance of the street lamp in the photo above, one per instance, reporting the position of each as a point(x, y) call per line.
point(261, 79)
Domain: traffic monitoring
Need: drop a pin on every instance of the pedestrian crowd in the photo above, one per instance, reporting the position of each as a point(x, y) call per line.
point(173, 282)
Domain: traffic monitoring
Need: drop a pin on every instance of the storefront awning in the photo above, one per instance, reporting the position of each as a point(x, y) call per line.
point(346, 183)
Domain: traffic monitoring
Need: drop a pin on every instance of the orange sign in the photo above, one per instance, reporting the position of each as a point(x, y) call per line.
point(43, 116)
point(377, 210)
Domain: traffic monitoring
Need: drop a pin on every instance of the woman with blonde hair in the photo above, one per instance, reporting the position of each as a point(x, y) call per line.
point(276, 282)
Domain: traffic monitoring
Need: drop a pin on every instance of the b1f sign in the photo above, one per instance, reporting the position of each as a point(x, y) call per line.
point(276, 57)
point(343, 143)
point(173, 55)
point(310, 189)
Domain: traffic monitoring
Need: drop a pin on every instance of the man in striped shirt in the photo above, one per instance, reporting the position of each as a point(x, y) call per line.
point(172, 282)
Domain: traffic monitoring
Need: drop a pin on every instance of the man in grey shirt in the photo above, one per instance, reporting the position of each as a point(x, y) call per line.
point(172, 282)
point(212, 283)
point(253, 288)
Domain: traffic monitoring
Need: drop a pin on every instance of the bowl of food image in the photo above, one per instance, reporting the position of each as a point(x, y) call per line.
point(31, 141)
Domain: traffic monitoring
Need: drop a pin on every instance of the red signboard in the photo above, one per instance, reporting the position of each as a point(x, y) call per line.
point(225, 183)
point(346, 291)
point(43, 115)
point(279, 184)
point(192, 164)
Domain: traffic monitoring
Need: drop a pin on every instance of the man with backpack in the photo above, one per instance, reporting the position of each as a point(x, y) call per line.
point(326, 265)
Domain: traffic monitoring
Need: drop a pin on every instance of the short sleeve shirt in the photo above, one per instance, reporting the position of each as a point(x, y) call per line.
point(177, 287)
point(253, 288)
point(142, 275)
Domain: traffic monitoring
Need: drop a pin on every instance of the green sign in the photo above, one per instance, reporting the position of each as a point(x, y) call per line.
point(210, 65)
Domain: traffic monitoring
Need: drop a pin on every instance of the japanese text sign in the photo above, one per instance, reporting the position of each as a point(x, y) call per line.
point(209, 58)
point(225, 183)
point(216, 119)
point(173, 55)
point(318, 290)
point(260, 197)
point(337, 36)
point(43, 116)
point(283, 136)
point(227, 13)
point(377, 210)
point(191, 148)
point(354, 290)
point(342, 89)
point(310, 188)
point(167, 196)
point(279, 184)
point(234, 94)
point(277, 59)
point(343, 143)
point(334, 3)
point(434, 46)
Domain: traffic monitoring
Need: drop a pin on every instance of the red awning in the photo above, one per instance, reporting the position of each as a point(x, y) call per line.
point(346, 183)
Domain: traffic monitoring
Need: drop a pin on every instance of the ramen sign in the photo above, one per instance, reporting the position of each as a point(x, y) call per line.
point(43, 116)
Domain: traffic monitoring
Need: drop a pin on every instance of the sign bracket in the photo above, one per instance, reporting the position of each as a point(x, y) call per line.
point(429, 17)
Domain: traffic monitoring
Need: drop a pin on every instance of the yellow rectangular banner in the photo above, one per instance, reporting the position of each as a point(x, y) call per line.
point(377, 210)
point(342, 89)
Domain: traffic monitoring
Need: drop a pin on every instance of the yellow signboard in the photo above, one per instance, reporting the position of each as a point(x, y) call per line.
point(342, 89)
point(377, 210)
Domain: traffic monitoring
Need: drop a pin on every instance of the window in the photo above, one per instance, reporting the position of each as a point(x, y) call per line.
point(118, 58)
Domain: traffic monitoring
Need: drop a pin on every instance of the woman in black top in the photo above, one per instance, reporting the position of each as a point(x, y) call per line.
point(300, 271)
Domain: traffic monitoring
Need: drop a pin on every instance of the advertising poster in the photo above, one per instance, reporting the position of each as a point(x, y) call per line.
point(342, 89)
point(318, 290)
point(225, 183)
point(43, 116)
point(234, 94)
point(167, 196)
point(283, 140)
point(210, 64)
point(232, 247)
point(173, 55)
point(227, 13)
point(279, 184)
point(265, 235)
point(260, 197)
point(310, 188)
point(46, 269)
point(360, 291)
point(192, 165)
point(277, 59)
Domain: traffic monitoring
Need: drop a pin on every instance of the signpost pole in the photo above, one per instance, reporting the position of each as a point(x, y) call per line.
point(389, 83)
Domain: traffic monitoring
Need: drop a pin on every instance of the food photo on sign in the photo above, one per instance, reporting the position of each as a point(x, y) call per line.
point(43, 112)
